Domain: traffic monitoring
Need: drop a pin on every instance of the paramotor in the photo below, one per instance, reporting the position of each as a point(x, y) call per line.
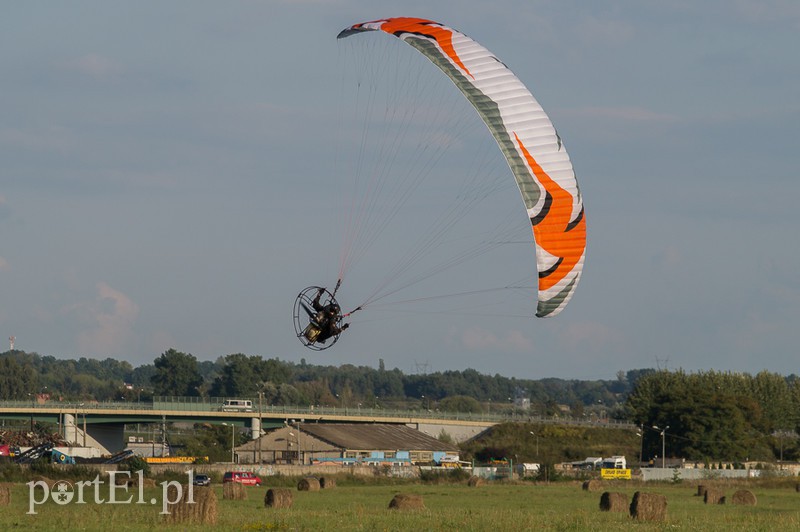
point(318, 318)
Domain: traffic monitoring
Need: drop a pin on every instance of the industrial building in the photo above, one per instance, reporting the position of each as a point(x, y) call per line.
point(345, 443)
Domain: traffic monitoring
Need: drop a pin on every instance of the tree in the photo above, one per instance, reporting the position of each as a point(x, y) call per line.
point(460, 403)
point(176, 374)
point(289, 395)
point(710, 415)
point(241, 375)
point(213, 441)
point(16, 381)
point(238, 377)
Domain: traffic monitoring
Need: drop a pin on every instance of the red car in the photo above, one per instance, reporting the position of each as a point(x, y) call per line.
point(242, 477)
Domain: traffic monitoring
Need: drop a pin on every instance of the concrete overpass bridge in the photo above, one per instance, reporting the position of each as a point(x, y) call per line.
point(102, 424)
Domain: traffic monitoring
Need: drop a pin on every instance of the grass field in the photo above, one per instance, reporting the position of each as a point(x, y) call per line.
point(493, 506)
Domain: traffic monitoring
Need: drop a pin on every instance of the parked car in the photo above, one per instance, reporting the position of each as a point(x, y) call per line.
point(202, 480)
point(242, 477)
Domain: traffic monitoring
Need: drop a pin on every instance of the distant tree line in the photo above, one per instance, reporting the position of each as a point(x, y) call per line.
point(703, 416)
point(717, 415)
point(175, 373)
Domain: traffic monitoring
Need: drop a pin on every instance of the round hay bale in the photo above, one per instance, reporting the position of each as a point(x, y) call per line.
point(474, 482)
point(327, 483)
point(701, 490)
point(205, 507)
point(744, 497)
point(202, 511)
point(308, 484)
point(172, 492)
point(592, 485)
point(614, 502)
point(797, 488)
point(46, 480)
point(407, 501)
point(5, 494)
point(713, 496)
point(234, 491)
point(278, 498)
point(648, 507)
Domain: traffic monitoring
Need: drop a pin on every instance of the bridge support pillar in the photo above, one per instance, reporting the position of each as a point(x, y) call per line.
point(70, 429)
point(108, 437)
point(255, 427)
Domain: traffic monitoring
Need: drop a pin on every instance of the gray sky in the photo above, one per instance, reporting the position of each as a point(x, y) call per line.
point(171, 169)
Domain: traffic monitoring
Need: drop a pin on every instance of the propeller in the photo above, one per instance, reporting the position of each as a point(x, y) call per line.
point(310, 312)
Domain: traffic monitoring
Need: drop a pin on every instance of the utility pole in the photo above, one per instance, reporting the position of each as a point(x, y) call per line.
point(663, 445)
point(641, 443)
point(299, 448)
point(260, 425)
point(233, 440)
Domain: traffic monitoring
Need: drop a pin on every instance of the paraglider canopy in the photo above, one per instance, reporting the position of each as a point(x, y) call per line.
point(533, 149)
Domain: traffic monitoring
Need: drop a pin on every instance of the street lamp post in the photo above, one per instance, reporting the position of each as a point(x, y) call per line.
point(233, 441)
point(537, 442)
point(260, 424)
point(641, 443)
point(663, 444)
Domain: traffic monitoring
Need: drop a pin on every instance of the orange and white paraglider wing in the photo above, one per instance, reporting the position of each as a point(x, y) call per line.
point(528, 140)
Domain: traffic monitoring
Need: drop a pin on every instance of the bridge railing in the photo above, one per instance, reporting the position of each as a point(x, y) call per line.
point(297, 412)
point(215, 404)
point(71, 406)
point(218, 404)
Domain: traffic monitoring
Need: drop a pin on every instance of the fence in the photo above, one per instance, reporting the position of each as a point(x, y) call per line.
point(215, 404)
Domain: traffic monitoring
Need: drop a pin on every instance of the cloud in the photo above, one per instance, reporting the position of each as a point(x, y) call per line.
point(111, 317)
point(585, 335)
point(477, 339)
point(94, 65)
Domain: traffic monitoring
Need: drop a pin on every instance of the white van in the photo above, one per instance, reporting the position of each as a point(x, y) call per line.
point(615, 462)
point(237, 405)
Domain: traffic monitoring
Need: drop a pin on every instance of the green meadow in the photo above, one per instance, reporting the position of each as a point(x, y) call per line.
point(448, 506)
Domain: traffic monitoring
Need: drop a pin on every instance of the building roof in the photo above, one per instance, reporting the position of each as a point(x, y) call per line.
point(360, 436)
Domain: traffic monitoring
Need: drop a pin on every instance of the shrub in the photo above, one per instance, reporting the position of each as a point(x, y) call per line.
point(136, 463)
